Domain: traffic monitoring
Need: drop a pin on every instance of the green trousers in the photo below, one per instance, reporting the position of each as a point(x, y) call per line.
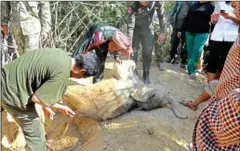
point(31, 125)
point(194, 43)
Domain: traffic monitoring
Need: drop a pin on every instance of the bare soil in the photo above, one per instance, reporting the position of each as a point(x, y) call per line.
point(156, 130)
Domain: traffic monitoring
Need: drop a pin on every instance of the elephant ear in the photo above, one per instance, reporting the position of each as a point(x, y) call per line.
point(142, 94)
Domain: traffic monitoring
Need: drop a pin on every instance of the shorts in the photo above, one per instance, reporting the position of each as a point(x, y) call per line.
point(218, 54)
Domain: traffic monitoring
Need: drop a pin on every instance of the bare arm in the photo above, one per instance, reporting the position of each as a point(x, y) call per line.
point(48, 110)
point(231, 16)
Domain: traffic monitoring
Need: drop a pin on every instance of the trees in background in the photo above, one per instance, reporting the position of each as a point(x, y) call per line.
point(70, 19)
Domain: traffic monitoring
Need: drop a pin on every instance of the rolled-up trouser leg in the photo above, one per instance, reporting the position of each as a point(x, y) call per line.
point(32, 127)
point(102, 57)
point(135, 44)
point(147, 44)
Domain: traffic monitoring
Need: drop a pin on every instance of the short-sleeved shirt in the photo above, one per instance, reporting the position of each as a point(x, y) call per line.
point(42, 72)
point(225, 29)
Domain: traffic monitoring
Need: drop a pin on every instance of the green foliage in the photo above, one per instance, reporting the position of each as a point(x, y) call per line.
point(168, 7)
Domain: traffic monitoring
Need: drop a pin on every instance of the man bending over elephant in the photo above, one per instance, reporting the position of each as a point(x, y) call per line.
point(40, 78)
point(102, 38)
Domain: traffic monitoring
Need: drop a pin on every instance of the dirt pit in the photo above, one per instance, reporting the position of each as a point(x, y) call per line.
point(156, 130)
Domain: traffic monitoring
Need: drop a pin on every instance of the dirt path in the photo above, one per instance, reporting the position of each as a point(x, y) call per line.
point(156, 130)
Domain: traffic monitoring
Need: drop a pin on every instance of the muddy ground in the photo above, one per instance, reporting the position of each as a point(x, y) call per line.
point(156, 130)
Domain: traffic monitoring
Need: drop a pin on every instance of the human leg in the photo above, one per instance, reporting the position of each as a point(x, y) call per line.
point(159, 52)
point(31, 42)
point(199, 42)
point(183, 51)
point(102, 58)
point(189, 45)
point(31, 124)
point(174, 45)
point(147, 44)
point(135, 44)
point(217, 57)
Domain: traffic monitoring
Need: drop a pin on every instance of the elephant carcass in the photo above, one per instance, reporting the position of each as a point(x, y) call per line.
point(104, 100)
point(108, 98)
point(148, 98)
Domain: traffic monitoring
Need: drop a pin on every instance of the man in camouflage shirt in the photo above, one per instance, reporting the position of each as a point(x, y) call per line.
point(141, 28)
point(27, 21)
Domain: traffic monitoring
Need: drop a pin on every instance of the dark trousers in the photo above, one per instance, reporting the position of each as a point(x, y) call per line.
point(145, 36)
point(175, 41)
point(218, 54)
point(102, 55)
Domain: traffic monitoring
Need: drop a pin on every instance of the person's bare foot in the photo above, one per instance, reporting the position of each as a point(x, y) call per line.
point(192, 106)
point(189, 104)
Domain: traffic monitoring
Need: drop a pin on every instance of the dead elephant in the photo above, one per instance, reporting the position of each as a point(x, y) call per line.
point(113, 97)
point(150, 98)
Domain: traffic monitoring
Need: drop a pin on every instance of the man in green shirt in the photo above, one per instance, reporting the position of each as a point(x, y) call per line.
point(41, 78)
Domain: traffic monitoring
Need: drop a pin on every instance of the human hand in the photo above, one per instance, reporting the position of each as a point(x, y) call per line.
point(129, 53)
point(214, 17)
point(118, 60)
point(179, 35)
point(161, 37)
point(66, 110)
point(49, 113)
point(227, 15)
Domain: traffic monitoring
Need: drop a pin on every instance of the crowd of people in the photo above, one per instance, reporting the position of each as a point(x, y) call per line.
point(39, 78)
